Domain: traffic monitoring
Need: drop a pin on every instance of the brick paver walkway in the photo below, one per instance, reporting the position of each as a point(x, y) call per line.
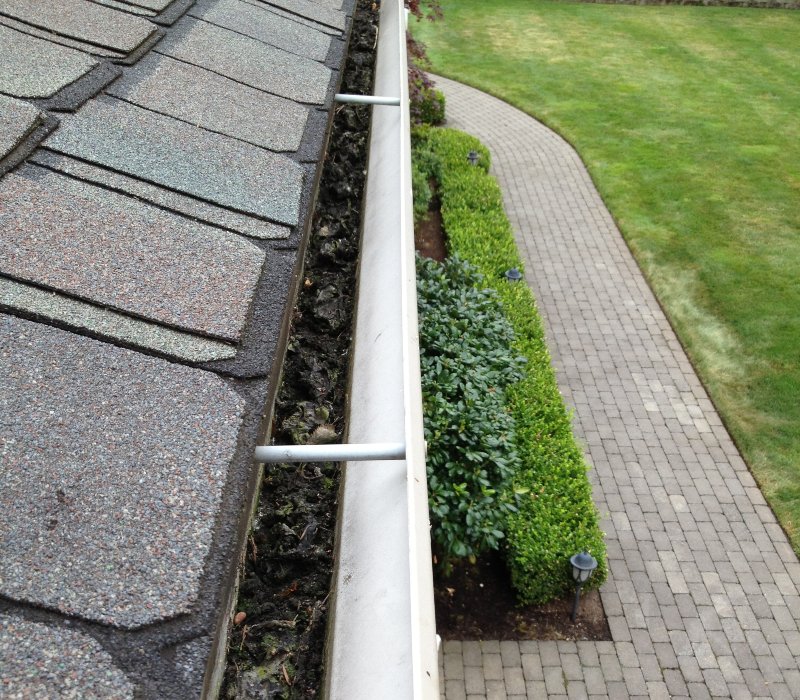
point(702, 599)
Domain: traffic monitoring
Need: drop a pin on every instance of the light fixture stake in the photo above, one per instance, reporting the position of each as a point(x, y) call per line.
point(583, 566)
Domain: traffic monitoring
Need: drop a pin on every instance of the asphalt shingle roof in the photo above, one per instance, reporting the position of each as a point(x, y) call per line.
point(162, 197)
point(213, 102)
point(37, 68)
point(243, 58)
point(120, 531)
point(101, 246)
point(281, 32)
point(157, 166)
point(180, 156)
point(327, 13)
point(17, 120)
point(49, 661)
point(96, 26)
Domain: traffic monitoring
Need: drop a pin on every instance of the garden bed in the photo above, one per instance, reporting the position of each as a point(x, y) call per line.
point(477, 600)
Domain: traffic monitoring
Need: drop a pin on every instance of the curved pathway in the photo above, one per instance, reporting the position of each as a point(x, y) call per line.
point(702, 598)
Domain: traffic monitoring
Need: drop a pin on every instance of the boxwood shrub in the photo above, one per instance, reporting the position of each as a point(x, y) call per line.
point(556, 516)
point(467, 362)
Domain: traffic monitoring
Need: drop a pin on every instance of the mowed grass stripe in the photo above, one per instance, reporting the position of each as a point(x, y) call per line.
point(687, 118)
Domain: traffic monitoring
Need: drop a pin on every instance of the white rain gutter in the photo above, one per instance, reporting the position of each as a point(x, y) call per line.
point(382, 631)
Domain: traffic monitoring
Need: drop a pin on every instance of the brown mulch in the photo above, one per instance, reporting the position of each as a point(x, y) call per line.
point(476, 601)
point(428, 238)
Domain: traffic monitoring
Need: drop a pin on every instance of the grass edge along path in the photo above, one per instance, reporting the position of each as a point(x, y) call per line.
point(686, 120)
point(557, 517)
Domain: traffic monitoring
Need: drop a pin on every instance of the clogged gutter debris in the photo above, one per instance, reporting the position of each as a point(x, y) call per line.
point(276, 644)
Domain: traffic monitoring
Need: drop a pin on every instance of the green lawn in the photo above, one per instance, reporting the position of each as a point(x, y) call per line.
point(689, 121)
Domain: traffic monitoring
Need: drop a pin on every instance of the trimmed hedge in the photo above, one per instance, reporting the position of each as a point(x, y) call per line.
point(467, 363)
point(556, 516)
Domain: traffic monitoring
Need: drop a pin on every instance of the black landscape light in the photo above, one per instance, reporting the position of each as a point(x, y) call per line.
point(473, 157)
point(583, 566)
point(513, 275)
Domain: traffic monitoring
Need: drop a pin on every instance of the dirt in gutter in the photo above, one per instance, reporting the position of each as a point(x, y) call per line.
point(276, 644)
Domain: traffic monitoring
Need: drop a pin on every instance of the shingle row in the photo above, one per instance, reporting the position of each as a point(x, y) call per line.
point(157, 164)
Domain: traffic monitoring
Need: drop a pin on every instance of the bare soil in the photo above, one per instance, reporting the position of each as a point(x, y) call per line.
point(428, 237)
point(476, 601)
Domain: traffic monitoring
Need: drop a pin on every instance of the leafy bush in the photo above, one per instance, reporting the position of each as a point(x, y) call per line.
point(467, 364)
point(425, 166)
point(421, 192)
point(556, 516)
point(426, 104)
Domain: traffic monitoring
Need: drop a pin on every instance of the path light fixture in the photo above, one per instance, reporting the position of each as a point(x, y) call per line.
point(583, 566)
point(513, 275)
point(473, 157)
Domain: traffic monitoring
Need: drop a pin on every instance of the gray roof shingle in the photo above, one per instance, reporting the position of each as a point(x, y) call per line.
point(83, 21)
point(164, 198)
point(249, 61)
point(183, 157)
point(17, 120)
point(28, 651)
point(157, 5)
point(319, 12)
point(148, 262)
point(120, 532)
point(259, 23)
point(300, 19)
point(36, 68)
point(213, 102)
point(94, 244)
point(113, 325)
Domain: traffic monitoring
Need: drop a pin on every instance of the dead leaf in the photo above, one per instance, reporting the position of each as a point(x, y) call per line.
point(286, 592)
point(323, 435)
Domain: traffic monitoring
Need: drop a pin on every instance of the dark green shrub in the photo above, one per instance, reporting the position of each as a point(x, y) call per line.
point(467, 363)
point(421, 191)
point(424, 158)
point(425, 166)
point(428, 106)
point(555, 517)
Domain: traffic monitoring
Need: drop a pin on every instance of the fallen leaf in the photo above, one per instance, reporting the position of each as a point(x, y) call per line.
point(286, 592)
point(323, 434)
